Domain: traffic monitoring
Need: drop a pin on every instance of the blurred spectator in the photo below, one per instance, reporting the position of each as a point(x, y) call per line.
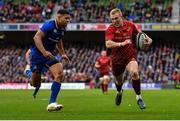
point(176, 77)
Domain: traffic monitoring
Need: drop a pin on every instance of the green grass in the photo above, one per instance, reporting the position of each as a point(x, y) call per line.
point(90, 105)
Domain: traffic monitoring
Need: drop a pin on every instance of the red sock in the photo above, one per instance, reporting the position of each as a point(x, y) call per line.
point(119, 87)
point(102, 87)
point(105, 87)
point(137, 86)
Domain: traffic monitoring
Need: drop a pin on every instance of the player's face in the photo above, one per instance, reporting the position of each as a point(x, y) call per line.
point(116, 19)
point(63, 20)
point(103, 53)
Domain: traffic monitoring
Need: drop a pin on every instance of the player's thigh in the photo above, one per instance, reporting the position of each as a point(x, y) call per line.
point(101, 79)
point(56, 70)
point(106, 79)
point(35, 79)
point(132, 68)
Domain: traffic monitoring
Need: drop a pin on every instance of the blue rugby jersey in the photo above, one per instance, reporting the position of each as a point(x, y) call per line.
point(52, 37)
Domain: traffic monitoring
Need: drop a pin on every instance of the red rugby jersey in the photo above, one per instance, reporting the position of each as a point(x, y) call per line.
point(104, 63)
point(120, 34)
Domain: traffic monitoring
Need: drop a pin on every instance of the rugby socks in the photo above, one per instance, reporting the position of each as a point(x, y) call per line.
point(138, 97)
point(35, 91)
point(119, 87)
point(55, 88)
point(105, 87)
point(137, 87)
point(28, 74)
point(102, 87)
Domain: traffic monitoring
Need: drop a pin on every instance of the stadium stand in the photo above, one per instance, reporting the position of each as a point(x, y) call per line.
point(21, 12)
point(157, 65)
point(12, 63)
point(86, 10)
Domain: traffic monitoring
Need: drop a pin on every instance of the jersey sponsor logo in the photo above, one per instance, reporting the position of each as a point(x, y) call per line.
point(54, 40)
point(124, 34)
point(122, 38)
point(117, 31)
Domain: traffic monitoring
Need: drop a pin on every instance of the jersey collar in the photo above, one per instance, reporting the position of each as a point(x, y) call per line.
point(56, 24)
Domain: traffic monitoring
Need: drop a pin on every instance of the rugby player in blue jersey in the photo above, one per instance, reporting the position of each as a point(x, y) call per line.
point(47, 38)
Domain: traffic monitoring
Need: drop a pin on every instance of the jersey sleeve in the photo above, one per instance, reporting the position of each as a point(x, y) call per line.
point(46, 27)
point(109, 60)
point(109, 35)
point(98, 60)
point(135, 29)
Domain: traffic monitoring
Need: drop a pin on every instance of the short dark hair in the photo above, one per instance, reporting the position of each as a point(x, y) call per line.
point(62, 11)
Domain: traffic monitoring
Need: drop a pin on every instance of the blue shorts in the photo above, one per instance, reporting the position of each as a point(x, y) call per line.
point(40, 64)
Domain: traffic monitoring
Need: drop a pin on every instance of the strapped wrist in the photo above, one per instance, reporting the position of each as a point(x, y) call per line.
point(120, 45)
point(27, 66)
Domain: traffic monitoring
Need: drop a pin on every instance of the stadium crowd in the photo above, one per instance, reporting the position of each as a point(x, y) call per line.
point(35, 11)
point(92, 11)
point(160, 64)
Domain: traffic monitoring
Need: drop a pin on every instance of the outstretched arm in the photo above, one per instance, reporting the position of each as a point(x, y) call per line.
point(28, 57)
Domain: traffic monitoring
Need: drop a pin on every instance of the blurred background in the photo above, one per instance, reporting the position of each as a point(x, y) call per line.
point(85, 38)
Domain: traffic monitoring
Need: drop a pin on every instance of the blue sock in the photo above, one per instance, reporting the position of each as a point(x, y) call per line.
point(36, 91)
point(55, 88)
point(28, 74)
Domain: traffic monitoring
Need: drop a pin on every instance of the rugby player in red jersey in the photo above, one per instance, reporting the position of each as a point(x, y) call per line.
point(119, 39)
point(103, 64)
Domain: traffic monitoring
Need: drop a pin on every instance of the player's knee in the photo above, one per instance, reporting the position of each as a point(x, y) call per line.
point(105, 82)
point(135, 75)
point(59, 77)
point(35, 83)
point(38, 83)
point(118, 81)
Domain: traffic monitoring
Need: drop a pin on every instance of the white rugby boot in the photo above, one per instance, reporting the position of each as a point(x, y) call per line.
point(54, 107)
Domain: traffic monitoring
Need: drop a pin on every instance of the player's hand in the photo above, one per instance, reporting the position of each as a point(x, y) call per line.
point(127, 41)
point(97, 66)
point(147, 42)
point(27, 69)
point(48, 55)
point(66, 59)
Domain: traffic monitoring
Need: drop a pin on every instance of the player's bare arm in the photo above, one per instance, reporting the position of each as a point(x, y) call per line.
point(61, 50)
point(112, 44)
point(38, 42)
point(28, 57)
point(110, 65)
point(97, 65)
